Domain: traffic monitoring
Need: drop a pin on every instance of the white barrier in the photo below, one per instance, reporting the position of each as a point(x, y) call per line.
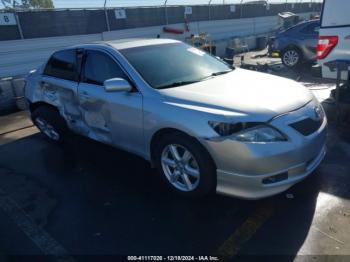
point(18, 57)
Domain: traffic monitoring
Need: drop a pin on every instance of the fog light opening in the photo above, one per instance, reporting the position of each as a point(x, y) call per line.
point(275, 178)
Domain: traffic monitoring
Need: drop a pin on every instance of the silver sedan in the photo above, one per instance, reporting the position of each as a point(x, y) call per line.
point(205, 125)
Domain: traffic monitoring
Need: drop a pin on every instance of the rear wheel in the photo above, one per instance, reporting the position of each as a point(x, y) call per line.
point(185, 165)
point(50, 123)
point(291, 57)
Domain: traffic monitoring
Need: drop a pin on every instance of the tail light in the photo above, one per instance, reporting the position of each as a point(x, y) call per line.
point(325, 45)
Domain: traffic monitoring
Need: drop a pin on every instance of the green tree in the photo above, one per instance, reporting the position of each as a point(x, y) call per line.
point(36, 4)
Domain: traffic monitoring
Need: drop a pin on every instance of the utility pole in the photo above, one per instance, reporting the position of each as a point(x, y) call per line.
point(106, 16)
point(166, 12)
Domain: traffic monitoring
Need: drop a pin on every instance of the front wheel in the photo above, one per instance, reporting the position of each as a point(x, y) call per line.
point(185, 165)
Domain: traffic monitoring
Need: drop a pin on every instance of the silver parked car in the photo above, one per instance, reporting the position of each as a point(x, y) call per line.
point(205, 125)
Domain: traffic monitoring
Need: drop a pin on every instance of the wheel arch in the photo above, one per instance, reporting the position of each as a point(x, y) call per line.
point(166, 131)
point(36, 105)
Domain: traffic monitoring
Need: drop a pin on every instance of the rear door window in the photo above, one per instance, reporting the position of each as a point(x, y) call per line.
point(100, 67)
point(63, 64)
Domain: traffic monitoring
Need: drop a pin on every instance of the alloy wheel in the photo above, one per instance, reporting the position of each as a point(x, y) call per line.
point(47, 129)
point(291, 58)
point(180, 167)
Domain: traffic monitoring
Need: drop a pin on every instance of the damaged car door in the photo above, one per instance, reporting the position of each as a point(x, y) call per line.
point(110, 116)
point(59, 84)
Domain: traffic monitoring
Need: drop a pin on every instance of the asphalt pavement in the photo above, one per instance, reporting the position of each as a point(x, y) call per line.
point(89, 199)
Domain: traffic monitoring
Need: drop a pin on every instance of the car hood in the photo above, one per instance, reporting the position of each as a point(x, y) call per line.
point(244, 92)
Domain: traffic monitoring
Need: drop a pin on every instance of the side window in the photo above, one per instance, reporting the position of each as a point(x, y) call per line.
point(310, 29)
point(63, 64)
point(100, 67)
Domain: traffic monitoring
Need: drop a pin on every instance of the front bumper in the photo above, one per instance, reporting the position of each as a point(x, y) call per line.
point(252, 187)
point(257, 170)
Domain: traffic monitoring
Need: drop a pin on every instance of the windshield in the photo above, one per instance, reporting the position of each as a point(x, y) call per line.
point(170, 65)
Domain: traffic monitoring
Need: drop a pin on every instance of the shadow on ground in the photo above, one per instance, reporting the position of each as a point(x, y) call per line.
point(111, 202)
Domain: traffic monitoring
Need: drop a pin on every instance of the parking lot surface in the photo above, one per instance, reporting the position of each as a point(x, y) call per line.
point(86, 198)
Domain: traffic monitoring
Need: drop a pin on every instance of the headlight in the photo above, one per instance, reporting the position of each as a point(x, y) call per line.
point(226, 129)
point(260, 134)
point(248, 132)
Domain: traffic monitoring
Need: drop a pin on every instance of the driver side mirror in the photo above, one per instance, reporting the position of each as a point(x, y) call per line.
point(117, 85)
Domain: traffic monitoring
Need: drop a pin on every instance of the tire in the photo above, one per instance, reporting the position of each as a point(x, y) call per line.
point(292, 57)
point(50, 123)
point(199, 161)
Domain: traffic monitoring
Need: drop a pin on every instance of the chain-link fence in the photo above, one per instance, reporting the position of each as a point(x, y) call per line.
point(94, 4)
point(58, 28)
point(96, 16)
point(67, 4)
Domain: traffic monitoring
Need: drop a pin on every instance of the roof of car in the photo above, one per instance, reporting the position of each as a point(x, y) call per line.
point(302, 24)
point(137, 42)
point(315, 21)
point(127, 43)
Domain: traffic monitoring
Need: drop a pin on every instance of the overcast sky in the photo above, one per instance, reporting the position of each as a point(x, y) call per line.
point(115, 3)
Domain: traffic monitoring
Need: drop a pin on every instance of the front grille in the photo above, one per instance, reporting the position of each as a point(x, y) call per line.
point(307, 126)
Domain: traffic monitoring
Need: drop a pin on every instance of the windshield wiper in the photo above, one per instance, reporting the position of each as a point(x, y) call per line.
point(221, 72)
point(179, 83)
point(182, 83)
point(216, 74)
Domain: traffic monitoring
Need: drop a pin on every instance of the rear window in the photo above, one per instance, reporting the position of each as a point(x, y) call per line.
point(336, 13)
point(63, 64)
